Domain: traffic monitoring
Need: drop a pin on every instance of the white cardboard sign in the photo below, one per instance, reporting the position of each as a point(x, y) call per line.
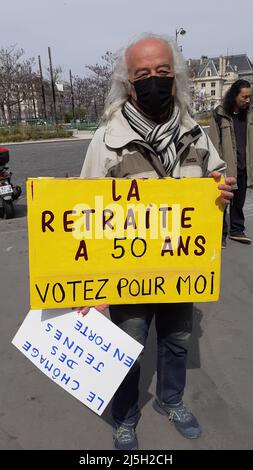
point(87, 356)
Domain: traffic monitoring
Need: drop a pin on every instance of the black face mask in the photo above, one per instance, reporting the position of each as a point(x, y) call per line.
point(154, 95)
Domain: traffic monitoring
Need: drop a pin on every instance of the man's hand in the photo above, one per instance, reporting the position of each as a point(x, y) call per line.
point(226, 188)
point(84, 310)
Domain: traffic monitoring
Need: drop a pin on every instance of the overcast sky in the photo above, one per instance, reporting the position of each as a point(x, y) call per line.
point(81, 31)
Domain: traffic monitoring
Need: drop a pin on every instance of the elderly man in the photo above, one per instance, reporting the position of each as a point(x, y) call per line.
point(147, 132)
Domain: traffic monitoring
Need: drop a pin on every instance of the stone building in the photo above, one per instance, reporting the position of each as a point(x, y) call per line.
point(211, 77)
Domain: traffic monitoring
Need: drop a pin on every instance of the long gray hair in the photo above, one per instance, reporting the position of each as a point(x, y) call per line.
point(120, 86)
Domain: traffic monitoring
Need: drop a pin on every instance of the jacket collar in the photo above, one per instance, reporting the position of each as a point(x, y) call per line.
point(250, 115)
point(118, 133)
point(221, 112)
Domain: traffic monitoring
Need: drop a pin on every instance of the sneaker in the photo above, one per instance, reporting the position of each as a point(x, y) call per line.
point(241, 237)
point(184, 421)
point(124, 437)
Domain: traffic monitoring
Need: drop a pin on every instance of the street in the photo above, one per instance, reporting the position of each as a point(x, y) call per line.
point(37, 414)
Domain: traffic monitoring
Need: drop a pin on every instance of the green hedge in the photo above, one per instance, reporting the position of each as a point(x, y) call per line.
point(22, 133)
point(203, 122)
point(204, 118)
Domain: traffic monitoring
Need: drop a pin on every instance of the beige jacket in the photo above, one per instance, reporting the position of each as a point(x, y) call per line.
point(118, 151)
point(223, 137)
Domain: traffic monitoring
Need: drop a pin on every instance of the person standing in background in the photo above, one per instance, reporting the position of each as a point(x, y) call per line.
point(231, 131)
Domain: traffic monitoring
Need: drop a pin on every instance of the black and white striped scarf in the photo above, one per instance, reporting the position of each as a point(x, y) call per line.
point(161, 137)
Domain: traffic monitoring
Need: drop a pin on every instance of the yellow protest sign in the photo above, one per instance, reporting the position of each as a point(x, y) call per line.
point(121, 241)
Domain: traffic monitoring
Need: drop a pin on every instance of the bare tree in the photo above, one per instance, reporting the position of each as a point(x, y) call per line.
point(100, 81)
point(9, 70)
point(21, 90)
point(16, 83)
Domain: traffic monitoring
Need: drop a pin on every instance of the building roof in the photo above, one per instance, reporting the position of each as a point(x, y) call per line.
point(241, 61)
point(238, 63)
point(208, 64)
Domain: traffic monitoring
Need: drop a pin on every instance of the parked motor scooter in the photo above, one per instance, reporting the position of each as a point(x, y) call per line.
point(8, 192)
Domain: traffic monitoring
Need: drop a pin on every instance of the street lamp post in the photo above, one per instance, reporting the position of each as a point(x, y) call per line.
point(181, 31)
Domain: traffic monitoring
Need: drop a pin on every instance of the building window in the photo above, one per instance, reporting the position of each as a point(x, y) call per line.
point(203, 85)
point(212, 92)
point(208, 72)
point(212, 84)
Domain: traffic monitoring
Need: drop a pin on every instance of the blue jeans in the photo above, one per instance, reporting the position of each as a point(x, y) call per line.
point(173, 326)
